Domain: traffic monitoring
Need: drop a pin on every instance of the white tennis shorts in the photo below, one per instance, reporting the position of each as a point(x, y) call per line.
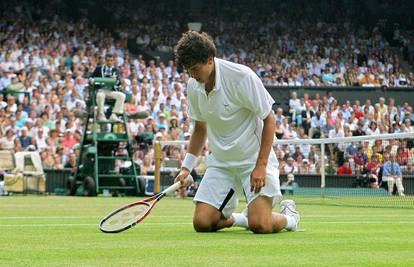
point(219, 181)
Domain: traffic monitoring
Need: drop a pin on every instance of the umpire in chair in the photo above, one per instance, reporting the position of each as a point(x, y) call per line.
point(108, 70)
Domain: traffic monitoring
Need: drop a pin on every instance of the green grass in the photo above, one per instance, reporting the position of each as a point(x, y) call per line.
point(63, 231)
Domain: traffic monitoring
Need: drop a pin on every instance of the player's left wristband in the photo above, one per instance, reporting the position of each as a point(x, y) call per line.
point(189, 161)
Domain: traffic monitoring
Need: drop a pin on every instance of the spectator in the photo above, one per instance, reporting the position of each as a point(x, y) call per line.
point(280, 130)
point(109, 70)
point(307, 115)
point(403, 154)
point(297, 153)
point(279, 115)
point(72, 163)
point(295, 106)
point(361, 159)
point(336, 148)
point(331, 168)
point(147, 165)
point(289, 184)
point(24, 139)
point(290, 167)
point(408, 170)
point(9, 141)
point(345, 169)
point(304, 168)
point(372, 169)
point(392, 175)
point(317, 123)
point(68, 140)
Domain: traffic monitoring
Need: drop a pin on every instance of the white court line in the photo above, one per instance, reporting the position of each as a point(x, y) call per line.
point(177, 223)
point(190, 216)
point(77, 217)
point(82, 224)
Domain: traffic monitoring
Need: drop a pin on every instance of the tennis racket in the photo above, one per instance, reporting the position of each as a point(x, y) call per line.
point(129, 215)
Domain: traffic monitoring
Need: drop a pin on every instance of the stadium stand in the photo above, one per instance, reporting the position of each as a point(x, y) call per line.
point(45, 61)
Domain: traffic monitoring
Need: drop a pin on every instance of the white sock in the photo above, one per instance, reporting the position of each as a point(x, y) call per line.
point(240, 220)
point(290, 222)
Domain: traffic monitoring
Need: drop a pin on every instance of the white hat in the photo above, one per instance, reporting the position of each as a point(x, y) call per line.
point(158, 135)
point(187, 134)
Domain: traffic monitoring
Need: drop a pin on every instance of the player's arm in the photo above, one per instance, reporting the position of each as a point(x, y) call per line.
point(269, 127)
point(197, 140)
point(258, 176)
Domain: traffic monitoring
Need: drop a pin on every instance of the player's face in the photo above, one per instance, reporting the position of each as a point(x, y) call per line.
point(201, 72)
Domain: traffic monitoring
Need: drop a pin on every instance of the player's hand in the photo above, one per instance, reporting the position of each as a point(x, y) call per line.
point(258, 179)
point(182, 175)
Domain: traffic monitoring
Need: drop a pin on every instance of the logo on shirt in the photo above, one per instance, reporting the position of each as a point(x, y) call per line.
point(226, 107)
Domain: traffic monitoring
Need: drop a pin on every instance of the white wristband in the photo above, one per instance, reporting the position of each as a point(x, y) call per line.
point(189, 161)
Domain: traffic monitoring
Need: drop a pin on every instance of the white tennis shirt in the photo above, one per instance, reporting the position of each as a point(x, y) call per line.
point(234, 111)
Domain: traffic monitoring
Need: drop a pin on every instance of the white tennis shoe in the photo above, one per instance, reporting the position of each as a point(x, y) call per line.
point(114, 118)
point(288, 207)
point(102, 117)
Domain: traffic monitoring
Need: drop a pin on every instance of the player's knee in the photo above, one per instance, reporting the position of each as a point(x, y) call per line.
point(203, 225)
point(260, 227)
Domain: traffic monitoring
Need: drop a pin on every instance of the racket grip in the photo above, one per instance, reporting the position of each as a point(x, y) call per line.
point(176, 185)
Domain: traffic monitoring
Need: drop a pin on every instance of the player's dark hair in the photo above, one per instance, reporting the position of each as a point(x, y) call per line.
point(194, 48)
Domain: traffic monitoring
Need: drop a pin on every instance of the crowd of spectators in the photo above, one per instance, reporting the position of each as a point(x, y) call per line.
point(309, 53)
point(51, 59)
point(322, 117)
point(283, 47)
point(405, 40)
point(44, 69)
point(286, 49)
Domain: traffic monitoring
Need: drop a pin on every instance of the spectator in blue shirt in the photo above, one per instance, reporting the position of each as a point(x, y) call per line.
point(24, 139)
point(392, 175)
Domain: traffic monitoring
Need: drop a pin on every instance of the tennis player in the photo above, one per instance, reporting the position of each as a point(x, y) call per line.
point(231, 107)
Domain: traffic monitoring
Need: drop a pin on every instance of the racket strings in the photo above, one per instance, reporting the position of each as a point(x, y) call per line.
point(125, 218)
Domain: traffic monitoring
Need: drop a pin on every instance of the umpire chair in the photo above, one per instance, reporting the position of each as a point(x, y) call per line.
point(105, 164)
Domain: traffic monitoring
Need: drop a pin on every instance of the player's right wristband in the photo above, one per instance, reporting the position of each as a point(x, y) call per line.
point(189, 161)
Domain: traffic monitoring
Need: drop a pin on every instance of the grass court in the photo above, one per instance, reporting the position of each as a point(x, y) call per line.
point(63, 231)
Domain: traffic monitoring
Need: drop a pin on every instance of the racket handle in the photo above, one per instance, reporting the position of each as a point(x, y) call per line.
point(175, 186)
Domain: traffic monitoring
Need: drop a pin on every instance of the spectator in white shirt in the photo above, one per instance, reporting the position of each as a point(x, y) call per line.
point(317, 123)
point(290, 167)
point(294, 106)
